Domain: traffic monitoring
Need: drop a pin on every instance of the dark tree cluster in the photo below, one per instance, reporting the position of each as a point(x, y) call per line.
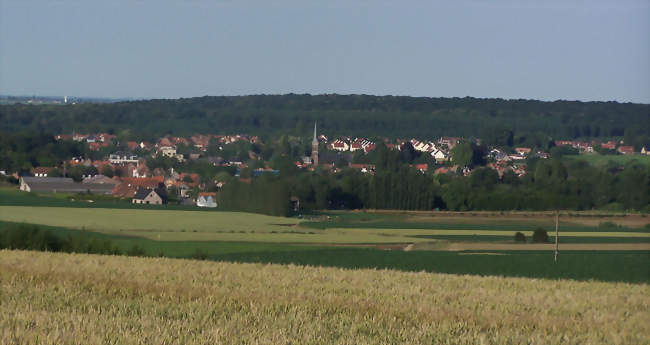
point(551, 184)
point(500, 122)
point(22, 151)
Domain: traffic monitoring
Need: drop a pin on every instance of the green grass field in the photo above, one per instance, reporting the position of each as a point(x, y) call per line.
point(173, 225)
point(627, 266)
point(598, 159)
point(354, 239)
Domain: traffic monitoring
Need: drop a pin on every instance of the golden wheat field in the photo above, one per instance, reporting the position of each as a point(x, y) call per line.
point(48, 298)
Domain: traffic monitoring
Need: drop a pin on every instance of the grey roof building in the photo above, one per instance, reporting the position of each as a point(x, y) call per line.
point(147, 196)
point(62, 185)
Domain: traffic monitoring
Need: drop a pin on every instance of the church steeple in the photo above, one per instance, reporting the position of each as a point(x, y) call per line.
point(314, 148)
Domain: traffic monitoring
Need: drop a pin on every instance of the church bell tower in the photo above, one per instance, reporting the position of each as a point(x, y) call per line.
point(314, 148)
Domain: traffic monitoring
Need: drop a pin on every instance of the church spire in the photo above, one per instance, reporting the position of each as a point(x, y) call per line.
point(314, 148)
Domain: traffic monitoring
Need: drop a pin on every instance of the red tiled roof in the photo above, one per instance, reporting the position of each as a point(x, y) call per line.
point(124, 190)
point(132, 145)
point(146, 182)
point(41, 170)
point(195, 178)
point(626, 149)
point(609, 145)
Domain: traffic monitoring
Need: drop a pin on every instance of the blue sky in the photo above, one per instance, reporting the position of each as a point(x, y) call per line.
point(584, 50)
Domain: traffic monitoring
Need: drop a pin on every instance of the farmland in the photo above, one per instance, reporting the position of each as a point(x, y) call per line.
point(174, 225)
point(606, 247)
point(62, 298)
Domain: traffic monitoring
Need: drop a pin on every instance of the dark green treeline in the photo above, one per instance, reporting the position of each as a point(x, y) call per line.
point(549, 185)
point(356, 115)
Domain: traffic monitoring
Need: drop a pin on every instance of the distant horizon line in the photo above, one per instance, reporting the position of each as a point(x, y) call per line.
point(119, 99)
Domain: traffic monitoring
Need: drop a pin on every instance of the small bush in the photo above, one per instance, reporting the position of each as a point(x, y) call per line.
point(540, 236)
point(199, 255)
point(608, 225)
point(614, 206)
point(33, 237)
point(520, 237)
point(30, 237)
point(136, 250)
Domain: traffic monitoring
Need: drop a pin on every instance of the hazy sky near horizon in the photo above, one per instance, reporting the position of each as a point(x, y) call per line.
point(575, 50)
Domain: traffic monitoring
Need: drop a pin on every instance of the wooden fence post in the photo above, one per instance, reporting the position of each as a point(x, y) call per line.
point(557, 237)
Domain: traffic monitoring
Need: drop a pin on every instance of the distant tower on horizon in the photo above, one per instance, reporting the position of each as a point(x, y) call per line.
point(314, 148)
point(65, 99)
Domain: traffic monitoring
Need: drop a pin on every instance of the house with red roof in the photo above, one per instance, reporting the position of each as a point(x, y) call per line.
point(626, 150)
point(194, 177)
point(449, 141)
point(364, 168)
point(207, 199)
point(369, 147)
point(522, 151)
point(610, 145)
point(132, 145)
point(339, 145)
point(422, 167)
point(40, 171)
point(141, 171)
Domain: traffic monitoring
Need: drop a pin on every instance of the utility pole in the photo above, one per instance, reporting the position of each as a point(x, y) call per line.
point(557, 237)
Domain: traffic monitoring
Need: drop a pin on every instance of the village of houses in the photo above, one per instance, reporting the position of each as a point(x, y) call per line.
point(134, 181)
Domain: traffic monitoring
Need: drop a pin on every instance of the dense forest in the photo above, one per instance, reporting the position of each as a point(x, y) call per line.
point(355, 115)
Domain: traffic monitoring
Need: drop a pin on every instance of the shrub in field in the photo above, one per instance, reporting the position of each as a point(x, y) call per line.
point(95, 246)
point(614, 206)
point(540, 236)
point(608, 225)
point(29, 237)
point(520, 237)
point(33, 237)
point(200, 255)
point(136, 250)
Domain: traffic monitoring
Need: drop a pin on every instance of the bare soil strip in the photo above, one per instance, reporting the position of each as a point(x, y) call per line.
point(546, 246)
point(583, 218)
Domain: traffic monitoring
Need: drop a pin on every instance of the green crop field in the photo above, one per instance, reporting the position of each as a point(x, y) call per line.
point(601, 246)
point(611, 265)
point(144, 221)
point(55, 298)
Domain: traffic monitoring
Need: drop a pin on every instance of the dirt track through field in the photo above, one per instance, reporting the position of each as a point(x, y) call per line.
point(574, 218)
point(547, 246)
